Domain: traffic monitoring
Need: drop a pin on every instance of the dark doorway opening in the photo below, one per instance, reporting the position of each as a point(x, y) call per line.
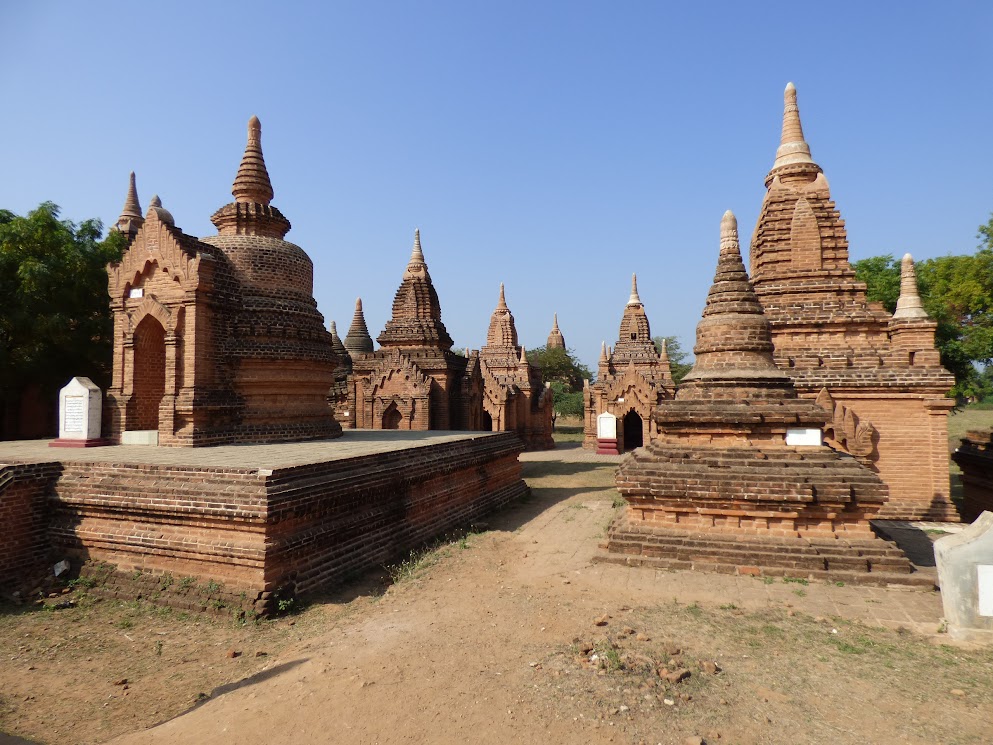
point(392, 417)
point(149, 374)
point(633, 431)
point(487, 422)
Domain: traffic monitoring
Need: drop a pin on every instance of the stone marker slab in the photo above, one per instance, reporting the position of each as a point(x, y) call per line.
point(80, 406)
point(606, 434)
point(965, 573)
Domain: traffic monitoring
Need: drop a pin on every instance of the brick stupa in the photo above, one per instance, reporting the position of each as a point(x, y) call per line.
point(632, 378)
point(514, 397)
point(218, 340)
point(414, 380)
point(722, 488)
point(878, 376)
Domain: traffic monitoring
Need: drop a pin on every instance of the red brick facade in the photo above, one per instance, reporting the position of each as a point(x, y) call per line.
point(514, 397)
point(218, 340)
point(879, 376)
point(241, 537)
point(414, 381)
point(633, 377)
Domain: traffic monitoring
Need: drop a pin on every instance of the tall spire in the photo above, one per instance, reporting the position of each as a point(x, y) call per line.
point(131, 206)
point(416, 319)
point(603, 353)
point(792, 147)
point(252, 183)
point(502, 303)
point(909, 305)
point(358, 340)
point(131, 218)
point(634, 299)
point(417, 266)
point(664, 352)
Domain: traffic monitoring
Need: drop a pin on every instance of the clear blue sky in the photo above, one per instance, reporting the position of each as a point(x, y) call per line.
point(554, 146)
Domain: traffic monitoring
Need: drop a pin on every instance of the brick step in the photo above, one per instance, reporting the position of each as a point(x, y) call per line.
point(915, 581)
point(876, 548)
point(754, 553)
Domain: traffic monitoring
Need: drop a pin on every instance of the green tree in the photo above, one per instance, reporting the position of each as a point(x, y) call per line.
point(55, 317)
point(565, 373)
point(957, 292)
point(677, 356)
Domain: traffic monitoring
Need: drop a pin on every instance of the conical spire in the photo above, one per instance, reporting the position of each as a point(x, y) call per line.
point(155, 205)
point(634, 299)
point(603, 353)
point(502, 333)
point(664, 352)
point(555, 338)
point(733, 344)
point(909, 305)
point(792, 147)
point(336, 343)
point(131, 218)
point(524, 356)
point(252, 183)
point(131, 206)
point(358, 340)
point(417, 266)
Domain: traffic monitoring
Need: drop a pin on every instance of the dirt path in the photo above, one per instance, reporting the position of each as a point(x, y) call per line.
point(493, 640)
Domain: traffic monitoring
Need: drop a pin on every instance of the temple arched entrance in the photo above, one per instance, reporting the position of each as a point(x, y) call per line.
point(487, 422)
point(392, 417)
point(149, 374)
point(633, 431)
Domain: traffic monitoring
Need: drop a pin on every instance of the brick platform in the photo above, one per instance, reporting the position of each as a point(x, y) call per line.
point(243, 526)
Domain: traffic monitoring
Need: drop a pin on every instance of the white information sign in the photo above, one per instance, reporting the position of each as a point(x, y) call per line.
point(984, 574)
point(797, 437)
point(74, 413)
point(606, 426)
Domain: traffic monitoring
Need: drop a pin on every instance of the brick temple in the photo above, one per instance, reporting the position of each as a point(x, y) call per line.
point(414, 381)
point(514, 397)
point(217, 340)
point(632, 378)
point(879, 376)
point(738, 479)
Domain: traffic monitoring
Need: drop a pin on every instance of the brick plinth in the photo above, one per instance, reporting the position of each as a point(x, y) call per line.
point(240, 537)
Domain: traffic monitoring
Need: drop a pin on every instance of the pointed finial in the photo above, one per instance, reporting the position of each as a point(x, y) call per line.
point(131, 206)
point(729, 234)
point(358, 305)
point(792, 147)
point(417, 255)
point(524, 356)
point(603, 352)
point(252, 183)
point(909, 305)
point(555, 321)
point(502, 305)
point(333, 329)
point(155, 201)
point(664, 351)
point(634, 299)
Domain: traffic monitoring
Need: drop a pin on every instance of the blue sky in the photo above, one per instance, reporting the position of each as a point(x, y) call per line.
point(553, 146)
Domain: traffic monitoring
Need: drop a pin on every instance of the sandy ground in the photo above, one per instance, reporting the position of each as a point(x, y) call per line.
point(494, 639)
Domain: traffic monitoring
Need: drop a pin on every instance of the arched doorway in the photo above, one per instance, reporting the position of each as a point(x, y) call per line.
point(633, 431)
point(392, 417)
point(149, 374)
point(487, 422)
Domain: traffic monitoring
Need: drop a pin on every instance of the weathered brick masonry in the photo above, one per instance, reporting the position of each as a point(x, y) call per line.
point(171, 531)
point(878, 376)
point(723, 488)
point(218, 340)
point(24, 518)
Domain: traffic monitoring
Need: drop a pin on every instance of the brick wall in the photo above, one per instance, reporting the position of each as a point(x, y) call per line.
point(24, 516)
point(169, 532)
